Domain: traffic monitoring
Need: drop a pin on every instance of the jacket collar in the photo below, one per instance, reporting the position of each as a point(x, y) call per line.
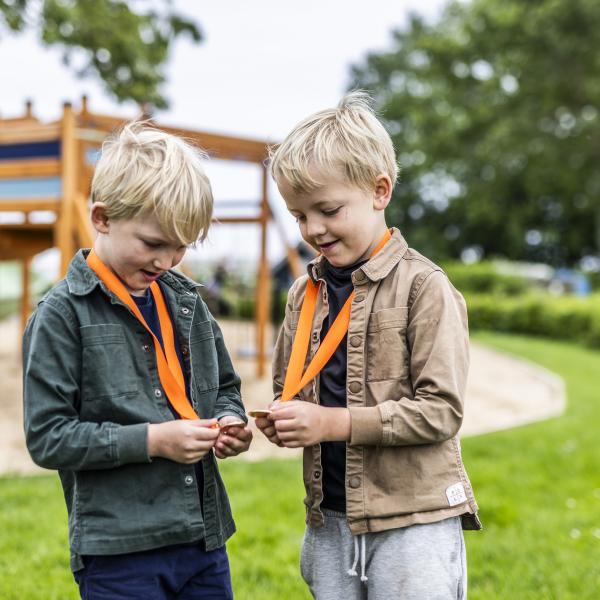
point(81, 280)
point(376, 268)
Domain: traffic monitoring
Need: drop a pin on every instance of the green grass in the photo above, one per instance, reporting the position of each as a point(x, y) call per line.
point(538, 488)
point(264, 553)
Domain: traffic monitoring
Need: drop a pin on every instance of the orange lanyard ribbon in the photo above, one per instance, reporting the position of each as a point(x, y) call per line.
point(169, 367)
point(294, 379)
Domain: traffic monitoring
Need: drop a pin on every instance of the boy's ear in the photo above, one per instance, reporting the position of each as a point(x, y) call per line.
point(383, 192)
point(98, 217)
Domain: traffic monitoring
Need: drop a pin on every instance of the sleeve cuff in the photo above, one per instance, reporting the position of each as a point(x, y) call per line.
point(367, 426)
point(132, 444)
point(230, 413)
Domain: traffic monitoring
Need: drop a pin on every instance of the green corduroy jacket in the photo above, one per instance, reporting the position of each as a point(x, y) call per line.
point(90, 389)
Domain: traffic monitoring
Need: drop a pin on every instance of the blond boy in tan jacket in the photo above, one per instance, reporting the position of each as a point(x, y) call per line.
point(387, 491)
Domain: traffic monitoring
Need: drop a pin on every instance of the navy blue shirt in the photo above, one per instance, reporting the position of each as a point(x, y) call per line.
point(333, 387)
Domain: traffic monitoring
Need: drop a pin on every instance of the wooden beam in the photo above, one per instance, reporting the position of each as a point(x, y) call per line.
point(237, 220)
point(263, 283)
point(21, 244)
point(25, 291)
point(85, 231)
point(27, 226)
point(220, 146)
point(26, 132)
point(28, 205)
point(35, 167)
point(65, 225)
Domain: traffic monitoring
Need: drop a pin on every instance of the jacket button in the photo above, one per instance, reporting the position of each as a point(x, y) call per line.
point(185, 350)
point(359, 298)
point(146, 348)
point(185, 310)
point(355, 341)
point(189, 480)
point(315, 336)
point(157, 393)
point(355, 387)
point(354, 482)
point(317, 474)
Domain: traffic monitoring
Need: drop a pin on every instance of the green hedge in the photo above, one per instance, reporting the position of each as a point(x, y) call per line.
point(484, 278)
point(563, 318)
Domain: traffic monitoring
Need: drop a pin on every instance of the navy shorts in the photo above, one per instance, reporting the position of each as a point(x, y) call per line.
point(182, 571)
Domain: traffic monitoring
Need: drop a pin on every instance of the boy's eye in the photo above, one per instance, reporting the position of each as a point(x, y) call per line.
point(152, 244)
point(300, 218)
point(333, 211)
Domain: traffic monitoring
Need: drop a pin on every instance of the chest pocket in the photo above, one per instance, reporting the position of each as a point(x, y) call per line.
point(108, 371)
point(203, 357)
point(387, 350)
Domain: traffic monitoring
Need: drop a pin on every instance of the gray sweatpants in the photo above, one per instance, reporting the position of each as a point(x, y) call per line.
point(420, 562)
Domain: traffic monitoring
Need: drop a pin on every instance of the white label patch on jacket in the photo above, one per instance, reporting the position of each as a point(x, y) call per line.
point(456, 494)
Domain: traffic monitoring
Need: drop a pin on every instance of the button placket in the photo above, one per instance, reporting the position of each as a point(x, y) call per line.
point(355, 341)
point(354, 482)
point(355, 387)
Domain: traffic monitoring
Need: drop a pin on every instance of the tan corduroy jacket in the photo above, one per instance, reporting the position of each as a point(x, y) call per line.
point(408, 357)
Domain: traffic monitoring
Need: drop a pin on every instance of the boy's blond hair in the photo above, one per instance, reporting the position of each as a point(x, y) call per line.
point(144, 170)
point(348, 139)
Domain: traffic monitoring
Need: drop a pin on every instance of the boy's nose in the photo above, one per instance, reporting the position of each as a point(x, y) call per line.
point(315, 228)
point(165, 261)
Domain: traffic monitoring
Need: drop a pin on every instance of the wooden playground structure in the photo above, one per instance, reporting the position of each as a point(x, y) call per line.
point(46, 169)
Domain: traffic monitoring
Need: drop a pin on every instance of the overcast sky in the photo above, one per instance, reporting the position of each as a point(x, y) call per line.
point(262, 66)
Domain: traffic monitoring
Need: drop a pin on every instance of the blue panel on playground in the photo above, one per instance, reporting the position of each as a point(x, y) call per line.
point(30, 150)
point(40, 187)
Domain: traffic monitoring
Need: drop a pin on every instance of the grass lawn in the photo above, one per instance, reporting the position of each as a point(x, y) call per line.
point(538, 487)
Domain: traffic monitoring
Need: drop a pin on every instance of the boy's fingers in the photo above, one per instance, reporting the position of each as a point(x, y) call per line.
point(285, 412)
point(204, 422)
point(244, 434)
point(286, 425)
point(205, 427)
point(262, 422)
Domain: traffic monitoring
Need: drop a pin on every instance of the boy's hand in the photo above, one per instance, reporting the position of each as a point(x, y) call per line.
point(267, 427)
point(235, 440)
point(299, 424)
point(182, 441)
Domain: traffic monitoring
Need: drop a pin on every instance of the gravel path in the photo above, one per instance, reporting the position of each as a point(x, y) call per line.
point(503, 392)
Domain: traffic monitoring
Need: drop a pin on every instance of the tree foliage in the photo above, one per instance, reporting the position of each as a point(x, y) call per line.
point(126, 47)
point(494, 114)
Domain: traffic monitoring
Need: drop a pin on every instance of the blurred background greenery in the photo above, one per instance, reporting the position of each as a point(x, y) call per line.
point(494, 112)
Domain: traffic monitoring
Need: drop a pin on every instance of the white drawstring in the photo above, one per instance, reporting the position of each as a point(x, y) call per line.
point(363, 559)
point(362, 554)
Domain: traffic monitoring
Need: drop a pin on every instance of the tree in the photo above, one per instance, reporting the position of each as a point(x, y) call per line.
point(126, 48)
point(494, 113)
